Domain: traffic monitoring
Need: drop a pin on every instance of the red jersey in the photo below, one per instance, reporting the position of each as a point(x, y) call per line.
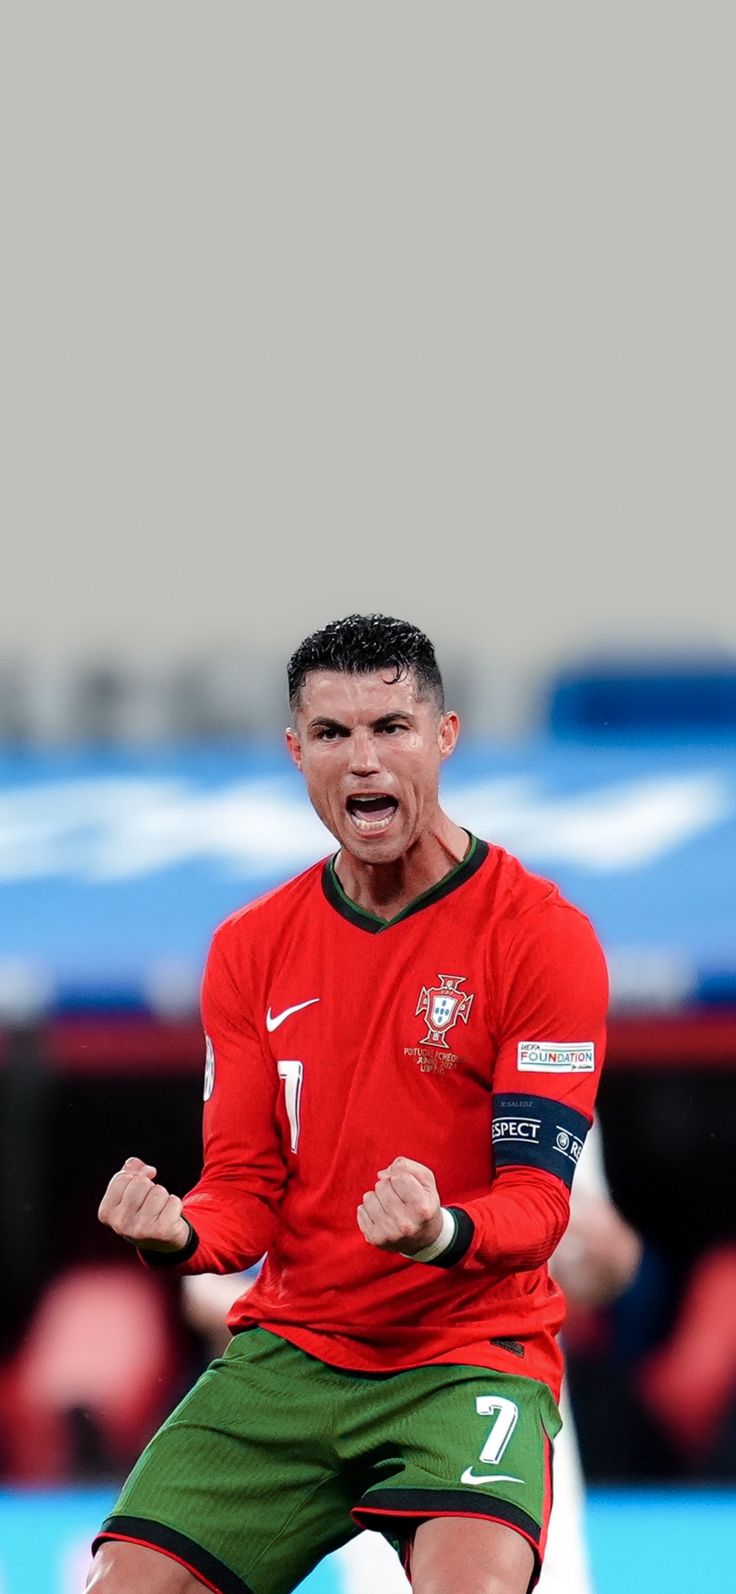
point(468, 1034)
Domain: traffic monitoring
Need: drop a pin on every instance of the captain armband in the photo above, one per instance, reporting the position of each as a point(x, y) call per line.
point(534, 1132)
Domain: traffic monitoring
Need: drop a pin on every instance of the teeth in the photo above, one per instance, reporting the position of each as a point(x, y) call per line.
point(371, 826)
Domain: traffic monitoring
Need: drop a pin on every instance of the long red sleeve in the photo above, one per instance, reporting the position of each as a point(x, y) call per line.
point(551, 1040)
point(234, 1206)
point(519, 1224)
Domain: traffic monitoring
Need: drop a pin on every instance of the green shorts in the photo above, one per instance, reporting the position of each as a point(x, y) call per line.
point(274, 1459)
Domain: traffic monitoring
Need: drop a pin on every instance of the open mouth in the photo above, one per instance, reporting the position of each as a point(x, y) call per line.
point(371, 815)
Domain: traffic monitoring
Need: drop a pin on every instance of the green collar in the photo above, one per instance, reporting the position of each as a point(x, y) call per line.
point(365, 920)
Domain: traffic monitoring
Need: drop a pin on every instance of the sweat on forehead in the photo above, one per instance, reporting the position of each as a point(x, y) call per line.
point(368, 644)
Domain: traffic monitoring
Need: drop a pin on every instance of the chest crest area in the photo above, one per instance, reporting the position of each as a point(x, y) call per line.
point(441, 1006)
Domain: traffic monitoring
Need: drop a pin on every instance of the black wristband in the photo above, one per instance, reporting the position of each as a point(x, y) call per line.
point(165, 1259)
point(464, 1231)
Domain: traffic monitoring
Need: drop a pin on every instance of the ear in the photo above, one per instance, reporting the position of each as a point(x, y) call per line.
point(447, 734)
point(294, 746)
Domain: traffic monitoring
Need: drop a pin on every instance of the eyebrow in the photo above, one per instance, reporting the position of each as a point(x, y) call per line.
point(323, 722)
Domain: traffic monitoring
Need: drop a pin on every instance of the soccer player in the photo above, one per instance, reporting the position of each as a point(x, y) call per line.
point(403, 1049)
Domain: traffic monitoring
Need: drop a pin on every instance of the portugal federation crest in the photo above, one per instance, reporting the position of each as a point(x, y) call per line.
point(441, 1006)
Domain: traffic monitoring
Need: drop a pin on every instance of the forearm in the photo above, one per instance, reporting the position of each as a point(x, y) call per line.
point(518, 1224)
point(233, 1224)
point(230, 1228)
point(515, 1227)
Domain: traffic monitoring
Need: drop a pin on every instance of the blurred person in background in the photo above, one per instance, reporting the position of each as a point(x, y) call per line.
point(276, 1455)
point(595, 1262)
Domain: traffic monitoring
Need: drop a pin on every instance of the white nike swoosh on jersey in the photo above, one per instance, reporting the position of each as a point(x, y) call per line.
point(273, 1023)
point(494, 1477)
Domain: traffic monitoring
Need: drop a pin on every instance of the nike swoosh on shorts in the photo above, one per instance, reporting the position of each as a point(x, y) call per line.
point(272, 1023)
point(494, 1477)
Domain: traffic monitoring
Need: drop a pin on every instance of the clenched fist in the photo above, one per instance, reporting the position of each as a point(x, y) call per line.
point(142, 1211)
point(403, 1212)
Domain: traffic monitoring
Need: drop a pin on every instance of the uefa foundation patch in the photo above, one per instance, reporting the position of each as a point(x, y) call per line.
point(556, 1057)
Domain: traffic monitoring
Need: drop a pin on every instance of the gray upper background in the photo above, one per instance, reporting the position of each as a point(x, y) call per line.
point(309, 308)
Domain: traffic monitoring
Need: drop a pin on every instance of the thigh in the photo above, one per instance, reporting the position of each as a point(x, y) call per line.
point(240, 1485)
point(120, 1568)
point(470, 1556)
point(462, 1442)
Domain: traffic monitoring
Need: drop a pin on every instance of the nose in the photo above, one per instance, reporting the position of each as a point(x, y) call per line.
point(364, 758)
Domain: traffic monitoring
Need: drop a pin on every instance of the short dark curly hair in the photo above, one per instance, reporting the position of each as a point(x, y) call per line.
point(363, 643)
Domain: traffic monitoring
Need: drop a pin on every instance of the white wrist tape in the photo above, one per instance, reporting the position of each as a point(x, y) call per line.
point(444, 1240)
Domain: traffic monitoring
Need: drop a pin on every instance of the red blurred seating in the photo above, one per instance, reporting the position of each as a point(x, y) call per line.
point(689, 1381)
point(93, 1377)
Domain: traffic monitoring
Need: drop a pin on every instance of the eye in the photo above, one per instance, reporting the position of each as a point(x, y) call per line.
point(388, 730)
point(328, 733)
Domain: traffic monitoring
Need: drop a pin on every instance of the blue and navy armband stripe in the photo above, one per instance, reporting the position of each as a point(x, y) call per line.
point(535, 1132)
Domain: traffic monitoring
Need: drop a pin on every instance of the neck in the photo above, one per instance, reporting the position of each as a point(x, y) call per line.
point(387, 888)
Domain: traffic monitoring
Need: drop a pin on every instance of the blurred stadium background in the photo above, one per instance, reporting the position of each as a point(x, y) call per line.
point(308, 312)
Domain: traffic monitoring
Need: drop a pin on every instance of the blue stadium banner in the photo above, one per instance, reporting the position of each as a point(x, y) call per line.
point(115, 868)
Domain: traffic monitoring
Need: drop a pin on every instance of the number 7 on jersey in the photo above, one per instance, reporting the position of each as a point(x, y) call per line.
point(292, 1074)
